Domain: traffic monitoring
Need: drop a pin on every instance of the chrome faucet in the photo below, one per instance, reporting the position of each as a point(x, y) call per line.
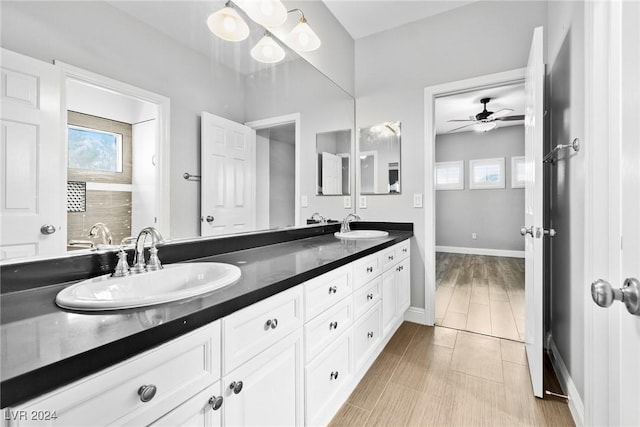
point(317, 217)
point(107, 238)
point(154, 262)
point(345, 222)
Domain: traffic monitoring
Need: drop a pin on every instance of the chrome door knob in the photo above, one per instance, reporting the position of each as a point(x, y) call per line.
point(210, 218)
point(604, 294)
point(524, 231)
point(215, 402)
point(147, 392)
point(47, 229)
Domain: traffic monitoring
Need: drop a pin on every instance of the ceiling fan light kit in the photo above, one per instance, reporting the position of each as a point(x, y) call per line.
point(486, 120)
point(227, 24)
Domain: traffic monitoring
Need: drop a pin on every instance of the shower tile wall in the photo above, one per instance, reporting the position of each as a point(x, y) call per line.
point(110, 207)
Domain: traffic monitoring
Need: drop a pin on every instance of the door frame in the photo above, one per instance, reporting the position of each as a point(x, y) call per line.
point(281, 120)
point(162, 103)
point(430, 94)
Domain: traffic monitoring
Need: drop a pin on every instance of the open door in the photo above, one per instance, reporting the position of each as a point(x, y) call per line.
point(533, 231)
point(32, 187)
point(228, 181)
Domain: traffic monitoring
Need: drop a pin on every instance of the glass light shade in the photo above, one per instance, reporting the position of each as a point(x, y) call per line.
point(228, 25)
point(267, 51)
point(302, 38)
point(268, 13)
point(485, 126)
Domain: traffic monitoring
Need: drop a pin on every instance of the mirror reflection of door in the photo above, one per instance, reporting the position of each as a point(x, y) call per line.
point(333, 163)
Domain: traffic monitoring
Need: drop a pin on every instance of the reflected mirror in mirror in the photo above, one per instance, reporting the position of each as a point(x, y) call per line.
point(333, 151)
point(172, 54)
point(379, 154)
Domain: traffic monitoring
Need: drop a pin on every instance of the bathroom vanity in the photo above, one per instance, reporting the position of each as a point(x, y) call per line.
point(285, 345)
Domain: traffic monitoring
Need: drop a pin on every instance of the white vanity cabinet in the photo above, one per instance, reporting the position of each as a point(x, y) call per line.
point(137, 391)
point(203, 410)
point(396, 284)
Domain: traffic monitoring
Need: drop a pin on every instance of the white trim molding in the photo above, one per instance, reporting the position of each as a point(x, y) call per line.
point(481, 251)
point(576, 407)
point(415, 315)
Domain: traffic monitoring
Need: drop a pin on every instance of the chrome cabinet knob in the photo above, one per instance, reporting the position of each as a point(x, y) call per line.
point(147, 392)
point(334, 375)
point(333, 325)
point(271, 323)
point(369, 269)
point(370, 334)
point(47, 229)
point(369, 297)
point(236, 387)
point(604, 294)
point(524, 231)
point(333, 289)
point(215, 402)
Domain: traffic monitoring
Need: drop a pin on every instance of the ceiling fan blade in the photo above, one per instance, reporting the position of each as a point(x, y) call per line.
point(461, 127)
point(460, 120)
point(499, 113)
point(511, 118)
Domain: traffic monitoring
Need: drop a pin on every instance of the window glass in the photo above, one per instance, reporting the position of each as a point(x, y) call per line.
point(94, 150)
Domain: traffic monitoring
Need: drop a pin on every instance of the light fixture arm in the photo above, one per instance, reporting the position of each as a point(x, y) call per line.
point(302, 18)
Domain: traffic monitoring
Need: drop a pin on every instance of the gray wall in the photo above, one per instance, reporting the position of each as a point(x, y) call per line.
point(282, 179)
point(565, 67)
point(429, 52)
point(495, 215)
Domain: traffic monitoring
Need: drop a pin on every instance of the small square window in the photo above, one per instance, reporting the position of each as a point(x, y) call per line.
point(518, 172)
point(486, 173)
point(94, 150)
point(450, 175)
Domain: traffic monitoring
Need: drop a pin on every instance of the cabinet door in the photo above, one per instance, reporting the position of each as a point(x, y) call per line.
point(202, 410)
point(268, 389)
point(404, 285)
point(389, 300)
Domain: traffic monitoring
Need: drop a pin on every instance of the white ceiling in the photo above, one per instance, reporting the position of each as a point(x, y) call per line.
point(362, 18)
point(464, 105)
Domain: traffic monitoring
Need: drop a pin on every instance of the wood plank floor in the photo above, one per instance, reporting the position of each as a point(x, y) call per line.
point(483, 294)
point(436, 376)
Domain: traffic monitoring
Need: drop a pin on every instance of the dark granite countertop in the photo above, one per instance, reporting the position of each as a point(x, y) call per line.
point(45, 347)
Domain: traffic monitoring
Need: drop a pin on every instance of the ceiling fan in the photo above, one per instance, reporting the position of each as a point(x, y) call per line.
point(486, 120)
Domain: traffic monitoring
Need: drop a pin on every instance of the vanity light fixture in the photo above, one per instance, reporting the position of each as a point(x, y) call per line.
point(228, 24)
point(268, 13)
point(267, 50)
point(485, 126)
point(302, 38)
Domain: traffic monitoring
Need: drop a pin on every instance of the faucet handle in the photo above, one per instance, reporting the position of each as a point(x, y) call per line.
point(122, 268)
point(154, 262)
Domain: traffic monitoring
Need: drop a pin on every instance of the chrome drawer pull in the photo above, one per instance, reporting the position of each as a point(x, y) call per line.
point(236, 387)
point(147, 392)
point(271, 323)
point(333, 325)
point(370, 334)
point(369, 297)
point(334, 375)
point(390, 257)
point(215, 402)
point(333, 289)
point(404, 250)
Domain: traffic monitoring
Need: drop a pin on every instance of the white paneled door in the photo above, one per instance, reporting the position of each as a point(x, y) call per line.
point(228, 180)
point(32, 182)
point(331, 174)
point(534, 134)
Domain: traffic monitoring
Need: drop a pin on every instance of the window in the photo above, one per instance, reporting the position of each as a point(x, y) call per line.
point(450, 175)
point(94, 150)
point(486, 173)
point(518, 172)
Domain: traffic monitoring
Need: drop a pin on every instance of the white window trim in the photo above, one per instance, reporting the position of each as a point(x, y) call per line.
point(499, 161)
point(515, 183)
point(452, 186)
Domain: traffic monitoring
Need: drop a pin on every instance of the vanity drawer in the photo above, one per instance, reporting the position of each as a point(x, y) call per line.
point(388, 257)
point(322, 292)
point(403, 249)
point(326, 380)
point(366, 269)
point(366, 297)
point(251, 330)
point(177, 370)
point(367, 333)
point(324, 329)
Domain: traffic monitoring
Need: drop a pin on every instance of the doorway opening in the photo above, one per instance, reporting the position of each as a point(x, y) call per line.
point(479, 210)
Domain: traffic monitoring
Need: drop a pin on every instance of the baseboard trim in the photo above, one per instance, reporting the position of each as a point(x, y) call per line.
point(480, 251)
point(415, 315)
point(576, 407)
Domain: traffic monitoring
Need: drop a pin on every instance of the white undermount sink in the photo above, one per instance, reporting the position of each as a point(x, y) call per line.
point(361, 234)
point(174, 282)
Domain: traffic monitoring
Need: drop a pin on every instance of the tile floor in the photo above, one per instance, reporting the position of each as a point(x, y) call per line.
point(482, 294)
point(436, 376)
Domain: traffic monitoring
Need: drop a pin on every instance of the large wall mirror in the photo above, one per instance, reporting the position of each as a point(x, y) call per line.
point(379, 158)
point(164, 70)
point(333, 151)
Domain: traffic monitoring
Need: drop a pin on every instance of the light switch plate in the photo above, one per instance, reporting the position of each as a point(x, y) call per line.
point(363, 202)
point(346, 201)
point(417, 200)
point(304, 202)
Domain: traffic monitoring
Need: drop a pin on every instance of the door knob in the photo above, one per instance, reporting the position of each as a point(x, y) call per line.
point(604, 295)
point(524, 231)
point(47, 229)
point(210, 218)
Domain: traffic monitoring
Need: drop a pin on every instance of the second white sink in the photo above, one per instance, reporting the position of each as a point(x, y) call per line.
point(174, 282)
point(361, 234)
